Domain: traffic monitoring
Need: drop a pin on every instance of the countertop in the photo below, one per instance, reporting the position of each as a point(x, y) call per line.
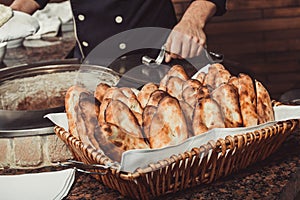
point(277, 177)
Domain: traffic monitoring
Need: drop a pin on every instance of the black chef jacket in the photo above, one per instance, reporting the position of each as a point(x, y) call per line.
point(96, 21)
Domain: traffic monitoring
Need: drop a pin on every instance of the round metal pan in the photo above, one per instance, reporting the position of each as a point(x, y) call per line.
point(33, 120)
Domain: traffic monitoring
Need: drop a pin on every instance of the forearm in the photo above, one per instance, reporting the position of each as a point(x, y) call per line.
point(27, 6)
point(199, 12)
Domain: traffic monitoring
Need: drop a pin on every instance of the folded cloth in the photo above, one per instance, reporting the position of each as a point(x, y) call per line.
point(5, 14)
point(51, 18)
point(46, 185)
point(19, 26)
point(49, 26)
point(62, 10)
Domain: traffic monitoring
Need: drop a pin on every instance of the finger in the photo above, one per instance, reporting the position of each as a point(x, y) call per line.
point(167, 57)
point(199, 50)
point(168, 43)
point(194, 47)
point(186, 46)
point(176, 46)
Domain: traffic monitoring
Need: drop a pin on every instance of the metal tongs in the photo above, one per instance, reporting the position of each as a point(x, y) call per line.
point(160, 58)
point(212, 57)
point(84, 168)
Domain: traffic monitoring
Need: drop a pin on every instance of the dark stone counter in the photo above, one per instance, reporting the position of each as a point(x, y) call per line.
point(277, 177)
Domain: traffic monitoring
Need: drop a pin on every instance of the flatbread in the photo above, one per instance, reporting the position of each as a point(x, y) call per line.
point(201, 77)
point(188, 114)
point(145, 93)
point(207, 115)
point(227, 97)
point(155, 97)
point(89, 110)
point(129, 99)
point(72, 108)
point(100, 91)
point(168, 126)
point(102, 108)
point(223, 76)
point(265, 110)
point(210, 76)
point(114, 141)
point(148, 113)
point(247, 98)
point(191, 95)
point(177, 71)
point(174, 87)
point(119, 114)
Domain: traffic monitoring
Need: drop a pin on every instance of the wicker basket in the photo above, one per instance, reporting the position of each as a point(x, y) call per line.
point(187, 169)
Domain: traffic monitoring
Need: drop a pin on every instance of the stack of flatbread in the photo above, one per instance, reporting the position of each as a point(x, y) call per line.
point(115, 120)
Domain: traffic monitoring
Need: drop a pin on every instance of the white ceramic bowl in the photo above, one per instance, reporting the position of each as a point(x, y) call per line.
point(3, 46)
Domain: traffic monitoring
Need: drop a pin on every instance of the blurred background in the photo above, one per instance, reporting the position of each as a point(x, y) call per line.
point(259, 37)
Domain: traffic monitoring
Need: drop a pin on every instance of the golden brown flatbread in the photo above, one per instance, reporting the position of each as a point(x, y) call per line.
point(145, 93)
point(102, 108)
point(188, 114)
point(227, 97)
point(223, 76)
point(174, 87)
point(201, 77)
point(168, 126)
point(234, 81)
point(194, 83)
point(88, 111)
point(155, 97)
point(72, 108)
point(100, 91)
point(148, 113)
point(130, 100)
point(219, 66)
point(210, 76)
point(207, 115)
point(192, 95)
point(111, 92)
point(216, 76)
point(190, 91)
point(265, 110)
point(119, 114)
point(177, 71)
point(114, 141)
point(247, 98)
point(128, 92)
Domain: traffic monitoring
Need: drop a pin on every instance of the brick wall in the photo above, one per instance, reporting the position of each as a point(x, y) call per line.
point(32, 151)
point(259, 37)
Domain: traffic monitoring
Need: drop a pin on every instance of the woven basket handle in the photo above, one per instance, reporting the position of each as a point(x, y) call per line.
point(85, 168)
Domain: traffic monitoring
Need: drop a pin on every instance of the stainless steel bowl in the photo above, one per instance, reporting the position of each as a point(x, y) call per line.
point(27, 79)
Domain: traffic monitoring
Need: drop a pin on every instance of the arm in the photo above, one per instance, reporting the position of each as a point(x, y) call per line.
point(28, 6)
point(187, 37)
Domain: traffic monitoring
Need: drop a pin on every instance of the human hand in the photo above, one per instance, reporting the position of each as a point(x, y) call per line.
point(187, 38)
